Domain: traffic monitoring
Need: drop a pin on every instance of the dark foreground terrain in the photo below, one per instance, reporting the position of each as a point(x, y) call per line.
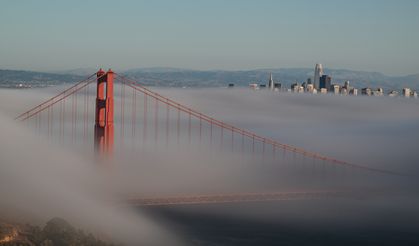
point(56, 232)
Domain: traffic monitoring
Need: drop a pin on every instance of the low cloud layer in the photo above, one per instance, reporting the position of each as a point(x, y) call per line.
point(40, 180)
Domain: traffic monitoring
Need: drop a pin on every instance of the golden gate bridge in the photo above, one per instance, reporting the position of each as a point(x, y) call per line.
point(142, 114)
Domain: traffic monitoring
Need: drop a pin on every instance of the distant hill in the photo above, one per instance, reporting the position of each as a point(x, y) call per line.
point(287, 76)
point(17, 78)
point(176, 77)
point(77, 71)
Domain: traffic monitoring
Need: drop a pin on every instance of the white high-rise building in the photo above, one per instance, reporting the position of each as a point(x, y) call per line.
point(335, 89)
point(318, 72)
point(271, 84)
point(310, 88)
point(406, 92)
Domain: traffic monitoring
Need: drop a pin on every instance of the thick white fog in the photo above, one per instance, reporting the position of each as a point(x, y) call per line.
point(375, 131)
point(40, 179)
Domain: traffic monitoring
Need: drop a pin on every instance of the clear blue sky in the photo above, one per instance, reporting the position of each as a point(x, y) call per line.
point(370, 35)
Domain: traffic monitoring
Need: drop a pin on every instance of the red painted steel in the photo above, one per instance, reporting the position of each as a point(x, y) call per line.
point(99, 136)
point(104, 128)
point(109, 127)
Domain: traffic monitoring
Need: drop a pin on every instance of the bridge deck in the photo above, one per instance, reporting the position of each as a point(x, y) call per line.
point(246, 197)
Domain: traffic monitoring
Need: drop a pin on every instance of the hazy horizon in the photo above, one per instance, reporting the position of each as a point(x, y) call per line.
point(64, 71)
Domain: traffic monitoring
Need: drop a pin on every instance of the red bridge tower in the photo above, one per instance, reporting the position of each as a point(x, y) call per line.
point(104, 129)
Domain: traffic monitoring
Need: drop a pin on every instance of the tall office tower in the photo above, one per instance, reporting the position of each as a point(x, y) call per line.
point(271, 84)
point(325, 82)
point(318, 72)
point(309, 81)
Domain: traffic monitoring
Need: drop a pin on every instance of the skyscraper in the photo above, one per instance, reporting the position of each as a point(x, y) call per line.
point(318, 72)
point(271, 84)
point(325, 82)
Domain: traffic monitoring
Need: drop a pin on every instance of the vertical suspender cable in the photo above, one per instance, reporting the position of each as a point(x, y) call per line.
point(156, 125)
point(178, 126)
point(145, 119)
point(189, 128)
point(167, 124)
point(134, 112)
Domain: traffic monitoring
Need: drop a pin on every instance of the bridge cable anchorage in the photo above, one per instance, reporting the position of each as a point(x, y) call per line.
point(254, 137)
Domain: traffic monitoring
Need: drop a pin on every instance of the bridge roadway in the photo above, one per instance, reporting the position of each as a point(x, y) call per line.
point(251, 197)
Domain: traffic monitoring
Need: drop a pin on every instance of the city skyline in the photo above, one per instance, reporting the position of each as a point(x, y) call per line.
point(210, 122)
point(371, 35)
point(323, 84)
